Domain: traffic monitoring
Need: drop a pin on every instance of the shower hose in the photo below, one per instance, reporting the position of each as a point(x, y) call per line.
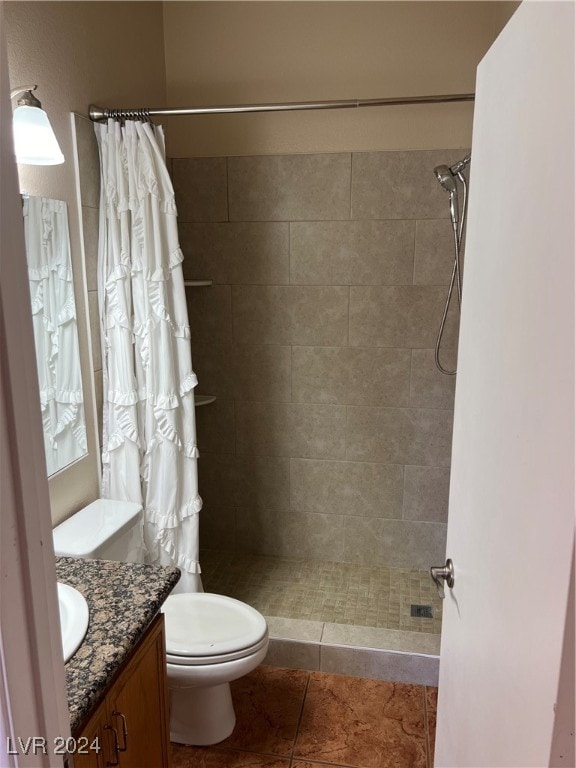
point(456, 278)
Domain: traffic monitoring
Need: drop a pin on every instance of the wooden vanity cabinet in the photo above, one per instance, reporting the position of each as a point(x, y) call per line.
point(96, 739)
point(131, 723)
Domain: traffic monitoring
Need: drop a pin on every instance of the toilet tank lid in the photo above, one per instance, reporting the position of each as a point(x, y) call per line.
point(101, 522)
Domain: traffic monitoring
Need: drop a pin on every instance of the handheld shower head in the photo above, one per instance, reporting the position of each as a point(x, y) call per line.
point(446, 179)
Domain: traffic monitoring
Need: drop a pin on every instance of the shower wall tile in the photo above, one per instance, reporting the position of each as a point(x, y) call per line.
point(319, 315)
point(399, 435)
point(205, 256)
point(218, 527)
point(378, 376)
point(210, 314)
point(424, 307)
point(375, 376)
point(201, 188)
point(434, 252)
point(262, 314)
point(262, 482)
point(216, 479)
point(452, 327)
point(398, 316)
point(367, 541)
point(236, 253)
point(249, 482)
point(376, 637)
point(319, 430)
point(352, 253)
point(377, 316)
point(90, 218)
point(212, 362)
point(377, 434)
point(346, 488)
point(88, 162)
point(215, 427)
point(320, 252)
point(289, 187)
point(379, 665)
point(291, 429)
point(429, 388)
point(399, 185)
point(448, 357)
point(291, 654)
point(309, 536)
point(320, 374)
point(426, 494)
point(291, 315)
point(429, 440)
point(262, 372)
point(417, 544)
point(331, 434)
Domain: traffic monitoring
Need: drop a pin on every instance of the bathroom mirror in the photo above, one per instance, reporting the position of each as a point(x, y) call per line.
point(55, 330)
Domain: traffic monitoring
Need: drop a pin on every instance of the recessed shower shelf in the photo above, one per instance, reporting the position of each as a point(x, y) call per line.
point(204, 400)
point(196, 283)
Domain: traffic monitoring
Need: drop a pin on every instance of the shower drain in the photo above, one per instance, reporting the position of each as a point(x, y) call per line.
point(421, 611)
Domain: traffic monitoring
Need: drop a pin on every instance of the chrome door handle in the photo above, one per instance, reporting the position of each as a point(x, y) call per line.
point(441, 574)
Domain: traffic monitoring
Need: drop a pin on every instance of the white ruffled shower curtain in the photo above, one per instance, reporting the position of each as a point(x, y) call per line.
point(55, 330)
point(149, 452)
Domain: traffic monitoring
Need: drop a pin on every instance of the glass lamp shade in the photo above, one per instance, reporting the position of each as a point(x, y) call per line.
point(34, 139)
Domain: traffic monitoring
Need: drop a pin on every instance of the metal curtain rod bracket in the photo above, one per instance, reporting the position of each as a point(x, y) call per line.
point(103, 113)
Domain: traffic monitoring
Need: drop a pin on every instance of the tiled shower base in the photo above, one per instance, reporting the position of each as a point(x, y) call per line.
point(336, 617)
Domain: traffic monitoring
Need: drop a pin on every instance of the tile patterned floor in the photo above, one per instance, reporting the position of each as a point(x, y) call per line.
point(288, 718)
point(339, 593)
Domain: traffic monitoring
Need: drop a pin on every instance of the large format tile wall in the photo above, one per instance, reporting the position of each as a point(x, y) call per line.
point(331, 435)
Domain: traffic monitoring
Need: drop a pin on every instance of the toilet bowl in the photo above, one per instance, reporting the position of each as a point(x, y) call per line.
point(211, 639)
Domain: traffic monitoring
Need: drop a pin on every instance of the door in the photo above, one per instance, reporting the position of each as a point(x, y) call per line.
point(511, 519)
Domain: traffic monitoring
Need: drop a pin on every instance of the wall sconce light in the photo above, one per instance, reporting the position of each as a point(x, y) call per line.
point(34, 139)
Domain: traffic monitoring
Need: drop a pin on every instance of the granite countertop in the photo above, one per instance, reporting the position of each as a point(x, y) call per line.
point(123, 598)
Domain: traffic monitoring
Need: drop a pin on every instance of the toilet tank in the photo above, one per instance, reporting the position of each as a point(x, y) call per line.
point(104, 530)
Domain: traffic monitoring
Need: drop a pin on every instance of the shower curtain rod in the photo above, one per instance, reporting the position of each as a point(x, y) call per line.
point(103, 113)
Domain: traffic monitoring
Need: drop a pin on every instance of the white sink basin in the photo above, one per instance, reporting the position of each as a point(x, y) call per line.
point(73, 618)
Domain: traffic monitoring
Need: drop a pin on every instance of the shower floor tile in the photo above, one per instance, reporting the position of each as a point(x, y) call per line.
point(336, 593)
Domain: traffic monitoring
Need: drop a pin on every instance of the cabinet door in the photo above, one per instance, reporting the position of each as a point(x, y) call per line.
point(93, 745)
point(137, 706)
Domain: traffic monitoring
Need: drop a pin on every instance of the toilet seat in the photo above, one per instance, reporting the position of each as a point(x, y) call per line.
point(205, 628)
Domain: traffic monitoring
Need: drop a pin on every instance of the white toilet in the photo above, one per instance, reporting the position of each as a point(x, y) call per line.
point(210, 639)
